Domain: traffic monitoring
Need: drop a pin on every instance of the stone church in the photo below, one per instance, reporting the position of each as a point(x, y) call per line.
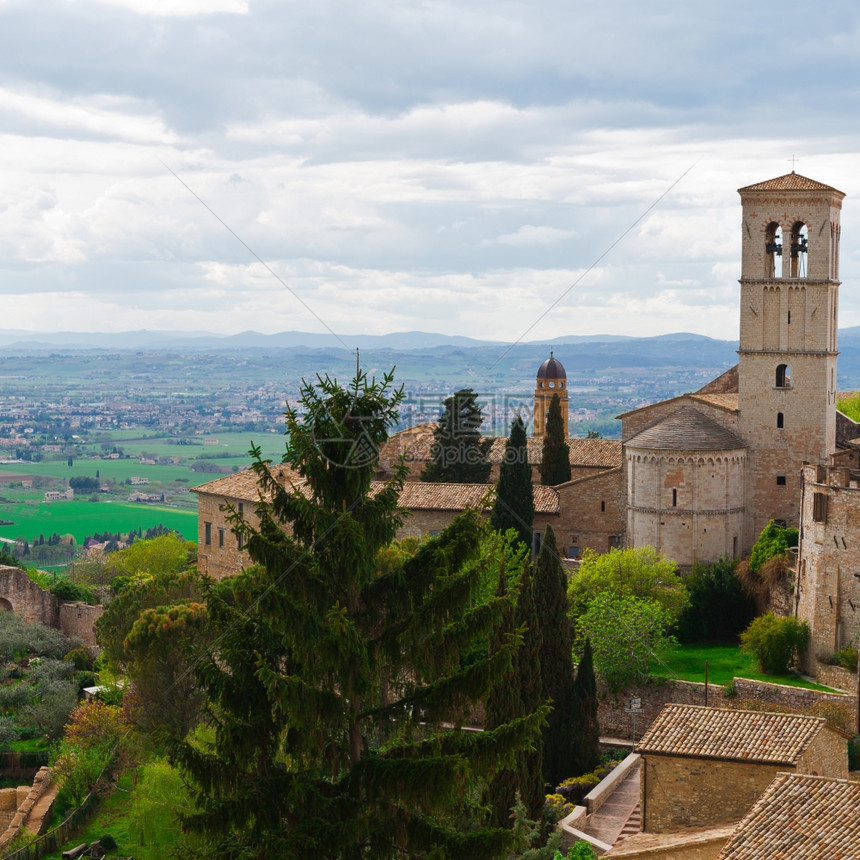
point(697, 476)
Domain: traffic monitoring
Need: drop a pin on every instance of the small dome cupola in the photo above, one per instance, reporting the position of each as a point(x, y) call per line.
point(551, 380)
point(552, 368)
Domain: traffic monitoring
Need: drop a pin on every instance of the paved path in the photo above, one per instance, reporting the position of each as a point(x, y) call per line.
point(612, 818)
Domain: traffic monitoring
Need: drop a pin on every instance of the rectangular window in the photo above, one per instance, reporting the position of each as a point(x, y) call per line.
point(780, 480)
point(240, 540)
point(221, 538)
point(207, 534)
point(241, 508)
point(819, 507)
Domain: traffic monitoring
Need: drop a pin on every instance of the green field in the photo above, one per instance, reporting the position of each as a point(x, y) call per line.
point(32, 517)
point(687, 663)
point(84, 518)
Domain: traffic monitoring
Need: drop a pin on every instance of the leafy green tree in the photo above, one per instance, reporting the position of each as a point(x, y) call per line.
point(556, 661)
point(719, 607)
point(587, 737)
point(332, 686)
point(775, 642)
point(774, 540)
point(159, 646)
point(642, 572)
point(628, 634)
point(514, 507)
point(144, 559)
point(555, 457)
point(459, 454)
point(163, 589)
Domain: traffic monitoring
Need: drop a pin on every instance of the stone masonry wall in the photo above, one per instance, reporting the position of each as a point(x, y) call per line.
point(29, 602)
point(79, 619)
point(616, 723)
point(682, 791)
point(593, 511)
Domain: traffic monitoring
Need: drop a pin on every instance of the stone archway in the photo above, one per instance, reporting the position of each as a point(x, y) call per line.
point(5, 605)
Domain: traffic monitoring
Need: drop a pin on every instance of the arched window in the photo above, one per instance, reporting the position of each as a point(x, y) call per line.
point(780, 421)
point(773, 251)
point(799, 249)
point(783, 376)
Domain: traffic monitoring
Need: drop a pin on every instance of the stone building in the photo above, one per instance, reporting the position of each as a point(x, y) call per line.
point(828, 572)
point(705, 472)
point(800, 817)
point(430, 508)
point(696, 476)
point(707, 766)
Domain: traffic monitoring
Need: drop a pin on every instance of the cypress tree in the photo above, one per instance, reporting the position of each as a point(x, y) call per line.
point(514, 506)
point(587, 739)
point(532, 789)
point(332, 684)
point(555, 456)
point(459, 454)
point(556, 661)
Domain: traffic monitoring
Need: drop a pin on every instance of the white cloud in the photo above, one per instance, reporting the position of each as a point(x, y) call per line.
point(177, 7)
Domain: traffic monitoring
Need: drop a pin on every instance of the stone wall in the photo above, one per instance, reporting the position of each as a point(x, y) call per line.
point(22, 596)
point(614, 722)
point(592, 513)
point(25, 799)
point(79, 619)
point(686, 791)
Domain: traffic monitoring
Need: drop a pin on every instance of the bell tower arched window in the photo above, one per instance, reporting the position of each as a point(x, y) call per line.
point(780, 421)
point(799, 250)
point(773, 251)
point(783, 376)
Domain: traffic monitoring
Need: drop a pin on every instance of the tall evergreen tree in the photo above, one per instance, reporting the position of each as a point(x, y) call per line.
point(514, 507)
point(520, 693)
point(555, 457)
point(587, 737)
point(332, 684)
point(532, 788)
point(556, 661)
point(459, 454)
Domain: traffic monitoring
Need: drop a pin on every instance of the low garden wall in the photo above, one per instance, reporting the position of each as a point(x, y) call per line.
point(616, 722)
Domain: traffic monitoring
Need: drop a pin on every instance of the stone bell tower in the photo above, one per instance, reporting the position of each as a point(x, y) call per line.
point(788, 329)
point(551, 379)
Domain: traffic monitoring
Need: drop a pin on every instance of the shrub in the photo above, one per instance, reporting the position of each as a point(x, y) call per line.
point(556, 808)
point(847, 658)
point(836, 715)
point(71, 592)
point(854, 753)
point(774, 540)
point(775, 642)
point(80, 658)
point(574, 789)
point(720, 608)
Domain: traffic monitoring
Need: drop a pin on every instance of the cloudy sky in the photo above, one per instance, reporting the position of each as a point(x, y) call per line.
point(374, 165)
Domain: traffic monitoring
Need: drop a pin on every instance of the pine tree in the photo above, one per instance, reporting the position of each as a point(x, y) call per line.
point(514, 506)
point(556, 661)
point(555, 458)
point(459, 454)
point(587, 738)
point(333, 684)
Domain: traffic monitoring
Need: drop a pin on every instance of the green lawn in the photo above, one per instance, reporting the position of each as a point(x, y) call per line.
point(687, 663)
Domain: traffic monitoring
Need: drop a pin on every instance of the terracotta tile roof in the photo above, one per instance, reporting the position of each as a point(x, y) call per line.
point(725, 383)
point(800, 818)
point(243, 485)
point(730, 735)
point(416, 495)
point(722, 400)
point(789, 182)
point(686, 430)
point(416, 443)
